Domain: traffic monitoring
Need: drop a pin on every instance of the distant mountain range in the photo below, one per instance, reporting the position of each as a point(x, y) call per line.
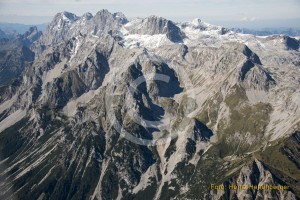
point(268, 31)
point(22, 28)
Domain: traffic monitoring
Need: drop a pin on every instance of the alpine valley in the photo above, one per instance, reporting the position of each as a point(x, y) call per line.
point(99, 107)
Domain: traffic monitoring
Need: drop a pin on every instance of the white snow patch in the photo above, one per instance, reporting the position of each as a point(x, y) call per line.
point(78, 44)
point(148, 41)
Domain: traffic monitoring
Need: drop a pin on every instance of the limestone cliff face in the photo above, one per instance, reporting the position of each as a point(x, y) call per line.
point(149, 109)
point(254, 182)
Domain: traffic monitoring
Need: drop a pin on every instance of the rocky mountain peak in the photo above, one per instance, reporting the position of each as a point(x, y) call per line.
point(196, 22)
point(32, 35)
point(107, 18)
point(64, 26)
point(69, 16)
point(31, 30)
point(103, 12)
point(62, 18)
point(154, 25)
point(87, 16)
point(120, 17)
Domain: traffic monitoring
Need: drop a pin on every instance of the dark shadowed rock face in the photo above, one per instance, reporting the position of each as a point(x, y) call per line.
point(291, 43)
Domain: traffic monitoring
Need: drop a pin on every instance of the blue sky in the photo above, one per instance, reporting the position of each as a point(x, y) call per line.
point(229, 13)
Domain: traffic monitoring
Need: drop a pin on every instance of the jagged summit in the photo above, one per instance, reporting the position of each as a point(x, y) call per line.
point(69, 16)
point(87, 16)
point(198, 25)
point(120, 16)
point(196, 22)
point(152, 31)
point(66, 25)
point(103, 12)
point(117, 24)
point(32, 35)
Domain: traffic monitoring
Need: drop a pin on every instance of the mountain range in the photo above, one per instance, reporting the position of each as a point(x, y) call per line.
point(17, 28)
point(102, 107)
point(269, 31)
